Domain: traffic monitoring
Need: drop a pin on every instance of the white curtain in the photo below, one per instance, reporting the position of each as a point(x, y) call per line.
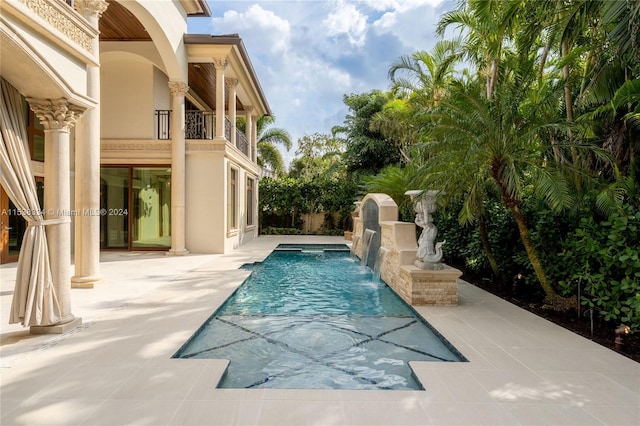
point(34, 298)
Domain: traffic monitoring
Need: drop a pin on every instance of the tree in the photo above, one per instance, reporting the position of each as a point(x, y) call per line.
point(486, 25)
point(498, 141)
point(367, 151)
point(267, 140)
point(424, 76)
point(318, 156)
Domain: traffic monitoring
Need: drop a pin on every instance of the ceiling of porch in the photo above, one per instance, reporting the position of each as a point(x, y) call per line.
point(119, 24)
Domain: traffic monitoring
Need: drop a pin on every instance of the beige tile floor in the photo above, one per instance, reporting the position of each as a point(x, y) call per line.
point(116, 368)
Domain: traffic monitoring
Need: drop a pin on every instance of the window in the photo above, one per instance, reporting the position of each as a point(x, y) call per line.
point(232, 207)
point(250, 201)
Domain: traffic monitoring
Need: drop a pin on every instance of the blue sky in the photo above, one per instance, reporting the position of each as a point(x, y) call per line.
point(309, 53)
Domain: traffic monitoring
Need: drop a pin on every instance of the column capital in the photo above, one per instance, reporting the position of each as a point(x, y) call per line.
point(178, 88)
point(248, 109)
point(220, 64)
point(230, 82)
point(89, 8)
point(55, 114)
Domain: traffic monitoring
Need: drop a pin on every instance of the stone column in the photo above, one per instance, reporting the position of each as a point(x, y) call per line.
point(87, 156)
point(247, 129)
point(231, 84)
point(220, 65)
point(178, 165)
point(57, 118)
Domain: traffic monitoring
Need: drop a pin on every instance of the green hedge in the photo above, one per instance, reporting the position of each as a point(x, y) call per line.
point(282, 202)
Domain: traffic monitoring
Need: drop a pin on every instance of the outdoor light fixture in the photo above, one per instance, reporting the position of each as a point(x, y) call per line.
point(620, 333)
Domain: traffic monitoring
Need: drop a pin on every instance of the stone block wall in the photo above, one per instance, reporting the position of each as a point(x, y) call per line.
point(414, 285)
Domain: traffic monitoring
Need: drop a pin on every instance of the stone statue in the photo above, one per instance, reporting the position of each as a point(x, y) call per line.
point(429, 252)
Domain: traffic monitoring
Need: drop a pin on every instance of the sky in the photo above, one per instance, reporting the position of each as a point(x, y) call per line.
point(308, 54)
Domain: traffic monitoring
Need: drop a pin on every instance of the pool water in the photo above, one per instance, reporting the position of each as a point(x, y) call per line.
point(314, 318)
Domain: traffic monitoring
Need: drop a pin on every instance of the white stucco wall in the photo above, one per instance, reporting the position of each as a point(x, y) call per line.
point(127, 97)
point(161, 95)
point(205, 205)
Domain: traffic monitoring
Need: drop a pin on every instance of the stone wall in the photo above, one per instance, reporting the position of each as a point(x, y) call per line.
point(414, 285)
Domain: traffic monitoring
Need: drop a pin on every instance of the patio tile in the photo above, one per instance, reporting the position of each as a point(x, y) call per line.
point(204, 387)
point(212, 413)
point(7, 405)
point(96, 384)
point(540, 414)
point(593, 388)
point(158, 384)
point(629, 381)
point(468, 414)
point(51, 412)
point(133, 412)
point(524, 386)
point(284, 413)
point(614, 414)
point(385, 413)
point(497, 359)
point(463, 386)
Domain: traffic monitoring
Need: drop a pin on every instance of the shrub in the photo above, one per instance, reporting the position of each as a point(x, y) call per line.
point(603, 259)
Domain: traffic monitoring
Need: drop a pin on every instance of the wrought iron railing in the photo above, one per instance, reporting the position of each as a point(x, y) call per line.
point(242, 143)
point(163, 124)
point(241, 140)
point(200, 125)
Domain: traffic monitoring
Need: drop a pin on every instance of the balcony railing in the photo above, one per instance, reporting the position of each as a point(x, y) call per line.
point(241, 140)
point(163, 124)
point(242, 143)
point(199, 125)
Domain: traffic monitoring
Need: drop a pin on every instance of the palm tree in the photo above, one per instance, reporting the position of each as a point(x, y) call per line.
point(423, 75)
point(497, 143)
point(267, 138)
point(484, 27)
point(418, 81)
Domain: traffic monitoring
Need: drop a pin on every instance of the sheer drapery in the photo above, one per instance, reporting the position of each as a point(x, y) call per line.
point(34, 298)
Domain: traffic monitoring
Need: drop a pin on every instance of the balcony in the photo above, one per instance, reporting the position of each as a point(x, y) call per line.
point(200, 125)
point(58, 21)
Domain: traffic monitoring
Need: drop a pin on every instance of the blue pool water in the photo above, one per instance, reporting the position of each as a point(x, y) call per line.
point(311, 317)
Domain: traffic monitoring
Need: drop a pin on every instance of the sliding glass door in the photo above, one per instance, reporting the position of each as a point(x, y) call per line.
point(136, 207)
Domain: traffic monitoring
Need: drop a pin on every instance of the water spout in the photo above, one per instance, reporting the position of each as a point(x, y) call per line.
point(356, 240)
point(366, 243)
point(377, 267)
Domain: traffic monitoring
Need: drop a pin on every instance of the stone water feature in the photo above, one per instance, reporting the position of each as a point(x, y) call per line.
point(398, 264)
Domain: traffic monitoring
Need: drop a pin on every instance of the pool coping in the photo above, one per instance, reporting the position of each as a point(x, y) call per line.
point(116, 368)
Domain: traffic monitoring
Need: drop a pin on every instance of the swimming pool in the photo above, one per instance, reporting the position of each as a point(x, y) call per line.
point(311, 317)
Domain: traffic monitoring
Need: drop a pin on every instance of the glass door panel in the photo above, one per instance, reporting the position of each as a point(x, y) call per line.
point(114, 202)
point(151, 223)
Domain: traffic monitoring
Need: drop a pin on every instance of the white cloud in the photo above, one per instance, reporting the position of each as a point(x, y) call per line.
point(413, 23)
point(400, 5)
point(274, 31)
point(347, 19)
